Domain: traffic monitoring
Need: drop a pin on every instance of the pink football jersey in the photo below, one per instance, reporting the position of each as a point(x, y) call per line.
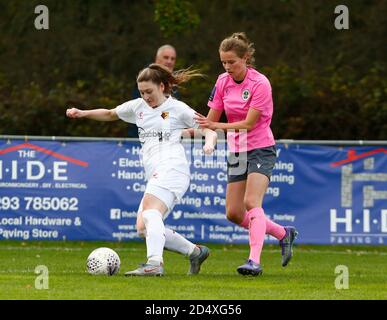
point(236, 100)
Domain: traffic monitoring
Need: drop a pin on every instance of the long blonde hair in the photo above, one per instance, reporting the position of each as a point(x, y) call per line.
point(158, 74)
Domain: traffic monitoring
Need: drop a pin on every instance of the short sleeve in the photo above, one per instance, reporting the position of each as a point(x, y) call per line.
point(262, 98)
point(126, 111)
point(187, 116)
point(215, 100)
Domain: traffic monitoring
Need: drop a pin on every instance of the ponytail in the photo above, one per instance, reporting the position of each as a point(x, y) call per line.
point(158, 74)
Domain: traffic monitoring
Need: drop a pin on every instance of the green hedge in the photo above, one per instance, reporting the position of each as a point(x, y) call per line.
point(327, 84)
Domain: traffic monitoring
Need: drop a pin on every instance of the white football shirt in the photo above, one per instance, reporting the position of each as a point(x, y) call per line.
point(159, 131)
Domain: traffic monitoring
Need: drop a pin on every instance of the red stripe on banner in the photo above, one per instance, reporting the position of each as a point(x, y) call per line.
point(352, 156)
point(46, 151)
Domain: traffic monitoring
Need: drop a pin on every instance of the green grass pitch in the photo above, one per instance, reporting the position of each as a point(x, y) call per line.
point(310, 274)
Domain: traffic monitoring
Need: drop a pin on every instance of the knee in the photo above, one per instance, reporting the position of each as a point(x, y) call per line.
point(234, 215)
point(251, 202)
point(146, 204)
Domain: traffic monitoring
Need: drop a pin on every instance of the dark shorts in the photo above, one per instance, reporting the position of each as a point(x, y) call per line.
point(241, 164)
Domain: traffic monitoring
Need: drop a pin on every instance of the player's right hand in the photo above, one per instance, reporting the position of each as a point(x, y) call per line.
point(208, 149)
point(74, 113)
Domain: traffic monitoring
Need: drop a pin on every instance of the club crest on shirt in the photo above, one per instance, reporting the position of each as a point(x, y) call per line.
point(165, 115)
point(140, 115)
point(245, 95)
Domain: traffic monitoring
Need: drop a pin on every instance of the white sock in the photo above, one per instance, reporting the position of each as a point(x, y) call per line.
point(177, 243)
point(155, 235)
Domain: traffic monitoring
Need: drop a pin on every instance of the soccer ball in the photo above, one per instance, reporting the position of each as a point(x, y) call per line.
point(103, 261)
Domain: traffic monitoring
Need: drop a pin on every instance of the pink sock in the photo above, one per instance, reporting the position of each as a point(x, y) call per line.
point(257, 230)
point(245, 222)
point(275, 229)
point(272, 228)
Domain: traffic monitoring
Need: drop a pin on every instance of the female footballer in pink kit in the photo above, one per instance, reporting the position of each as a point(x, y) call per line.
point(245, 96)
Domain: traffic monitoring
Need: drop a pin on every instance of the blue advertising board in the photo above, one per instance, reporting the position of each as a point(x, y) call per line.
point(90, 190)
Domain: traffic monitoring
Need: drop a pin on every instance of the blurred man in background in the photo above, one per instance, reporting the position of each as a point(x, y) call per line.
point(166, 55)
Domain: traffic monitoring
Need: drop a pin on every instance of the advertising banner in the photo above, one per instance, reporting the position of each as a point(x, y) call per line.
point(91, 190)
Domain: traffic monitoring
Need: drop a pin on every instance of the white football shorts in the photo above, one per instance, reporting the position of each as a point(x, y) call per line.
point(169, 186)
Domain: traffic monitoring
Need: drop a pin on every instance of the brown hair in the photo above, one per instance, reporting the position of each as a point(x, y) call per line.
point(241, 45)
point(158, 74)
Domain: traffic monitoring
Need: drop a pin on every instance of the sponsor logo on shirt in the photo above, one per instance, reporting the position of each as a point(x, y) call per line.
point(161, 135)
point(245, 95)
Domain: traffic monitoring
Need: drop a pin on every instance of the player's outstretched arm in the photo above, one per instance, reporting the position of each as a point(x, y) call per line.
point(94, 114)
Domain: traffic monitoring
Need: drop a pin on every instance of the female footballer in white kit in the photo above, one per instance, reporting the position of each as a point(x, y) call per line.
point(160, 120)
